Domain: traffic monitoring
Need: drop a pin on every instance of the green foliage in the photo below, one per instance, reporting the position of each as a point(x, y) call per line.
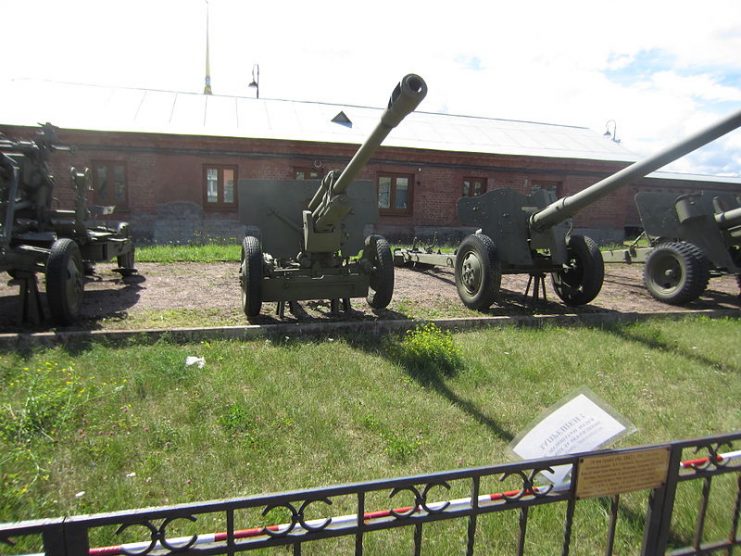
point(236, 419)
point(400, 446)
point(429, 351)
point(46, 399)
point(227, 251)
point(269, 416)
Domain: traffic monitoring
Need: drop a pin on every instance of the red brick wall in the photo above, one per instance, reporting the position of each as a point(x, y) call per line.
point(165, 169)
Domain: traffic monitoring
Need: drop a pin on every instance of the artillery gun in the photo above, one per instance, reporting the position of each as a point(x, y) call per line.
point(35, 237)
point(521, 234)
point(311, 231)
point(692, 237)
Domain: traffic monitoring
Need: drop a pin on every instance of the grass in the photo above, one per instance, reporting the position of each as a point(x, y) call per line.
point(206, 253)
point(108, 428)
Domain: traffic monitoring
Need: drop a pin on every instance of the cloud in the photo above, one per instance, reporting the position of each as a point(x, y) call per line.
point(656, 67)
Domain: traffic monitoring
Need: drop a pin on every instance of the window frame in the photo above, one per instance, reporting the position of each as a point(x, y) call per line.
point(473, 179)
point(110, 165)
point(306, 171)
point(220, 204)
point(392, 194)
point(547, 184)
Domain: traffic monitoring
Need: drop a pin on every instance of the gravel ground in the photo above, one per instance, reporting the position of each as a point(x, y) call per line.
point(192, 288)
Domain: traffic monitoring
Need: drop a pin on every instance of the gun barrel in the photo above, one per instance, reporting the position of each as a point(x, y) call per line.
point(568, 206)
point(407, 95)
point(729, 219)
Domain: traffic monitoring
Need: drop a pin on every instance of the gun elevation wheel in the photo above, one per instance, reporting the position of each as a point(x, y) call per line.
point(378, 250)
point(64, 281)
point(250, 276)
point(676, 273)
point(478, 272)
point(581, 279)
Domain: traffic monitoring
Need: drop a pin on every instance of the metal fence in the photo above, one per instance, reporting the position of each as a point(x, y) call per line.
point(656, 471)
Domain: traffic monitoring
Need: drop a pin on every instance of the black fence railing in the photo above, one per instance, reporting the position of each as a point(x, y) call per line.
point(302, 518)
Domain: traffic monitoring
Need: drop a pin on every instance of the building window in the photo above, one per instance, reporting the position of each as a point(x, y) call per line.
point(395, 194)
point(555, 187)
point(220, 186)
point(473, 187)
point(109, 183)
point(308, 174)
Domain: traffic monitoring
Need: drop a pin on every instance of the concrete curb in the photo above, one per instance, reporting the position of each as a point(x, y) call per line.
point(317, 329)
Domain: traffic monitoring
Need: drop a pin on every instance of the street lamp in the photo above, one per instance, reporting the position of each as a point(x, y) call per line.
point(608, 133)
point(256, 80)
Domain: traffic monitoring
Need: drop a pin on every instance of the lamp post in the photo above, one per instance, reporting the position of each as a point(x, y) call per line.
point(256, 80)
point(608, 133)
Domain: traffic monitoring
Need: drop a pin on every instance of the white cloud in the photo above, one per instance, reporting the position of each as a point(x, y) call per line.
point(657, 68)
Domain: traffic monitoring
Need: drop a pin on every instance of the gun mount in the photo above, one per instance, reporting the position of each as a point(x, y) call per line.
point(35, 237)
point(532, 234)
point(692, 237)
point(311, 231)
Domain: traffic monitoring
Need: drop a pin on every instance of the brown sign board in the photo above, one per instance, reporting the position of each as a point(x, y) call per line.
point(610, 474)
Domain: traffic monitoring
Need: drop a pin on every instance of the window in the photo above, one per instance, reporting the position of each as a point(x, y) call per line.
point(308, 173)
point(555, 187)
point(473, 187)
point(109, 184)
point(220, 186)
point(395, 194)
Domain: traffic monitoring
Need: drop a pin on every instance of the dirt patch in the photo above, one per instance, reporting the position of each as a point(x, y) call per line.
point(195, 289)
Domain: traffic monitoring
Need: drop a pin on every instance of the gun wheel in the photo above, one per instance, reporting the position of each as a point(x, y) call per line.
point(478, 272)
point(581, 279)
point(378, 250)
point(676, 273)
point(250, 276)
point(64, 281)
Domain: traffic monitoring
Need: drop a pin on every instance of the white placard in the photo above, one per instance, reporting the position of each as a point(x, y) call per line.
point(580, 423)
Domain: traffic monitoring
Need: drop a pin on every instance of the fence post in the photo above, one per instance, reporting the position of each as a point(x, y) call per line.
point(661, 507)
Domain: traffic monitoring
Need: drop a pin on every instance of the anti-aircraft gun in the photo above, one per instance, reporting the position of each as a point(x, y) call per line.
point(35, 237)
point(521, 234)
point(692, 237)
point(310, 232)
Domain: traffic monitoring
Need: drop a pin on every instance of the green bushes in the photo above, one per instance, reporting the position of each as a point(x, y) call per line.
point(427, 350)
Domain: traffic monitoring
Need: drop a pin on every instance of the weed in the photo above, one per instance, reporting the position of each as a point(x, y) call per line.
point(428, 351)
point(46, 399)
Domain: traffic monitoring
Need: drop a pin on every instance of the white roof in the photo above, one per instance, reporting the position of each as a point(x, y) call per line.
point(73, 106)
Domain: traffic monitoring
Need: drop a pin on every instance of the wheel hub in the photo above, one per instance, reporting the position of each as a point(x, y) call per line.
point(471, 272)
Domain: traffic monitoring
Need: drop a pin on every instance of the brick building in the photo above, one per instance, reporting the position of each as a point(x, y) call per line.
point(171, 162)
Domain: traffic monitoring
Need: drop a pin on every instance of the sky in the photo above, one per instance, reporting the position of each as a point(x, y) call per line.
point(657, 70)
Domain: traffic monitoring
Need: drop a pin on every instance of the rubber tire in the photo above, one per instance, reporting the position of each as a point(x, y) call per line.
point(250, 276)
point(478, 272)
point(126, 263)
point(582, 281)
point(64, 281)
point(689, 268)
point(381, 290)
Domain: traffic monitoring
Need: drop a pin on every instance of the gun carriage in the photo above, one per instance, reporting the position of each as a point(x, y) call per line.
point(62, 244)
point(692, 237)
point(531, 234)
point(309, 234)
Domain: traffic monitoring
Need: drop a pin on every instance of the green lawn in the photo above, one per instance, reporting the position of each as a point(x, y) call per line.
point(134, 427)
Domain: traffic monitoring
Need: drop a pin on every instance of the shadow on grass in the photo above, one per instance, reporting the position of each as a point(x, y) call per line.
point(433, 377)
point(653, 339)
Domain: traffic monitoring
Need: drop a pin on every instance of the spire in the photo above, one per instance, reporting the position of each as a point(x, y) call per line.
point(207, 87)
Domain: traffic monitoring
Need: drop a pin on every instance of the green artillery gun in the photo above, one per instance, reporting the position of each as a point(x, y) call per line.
point(692, 237)
point(63, 244)
point(521, 234)
point(311, 232)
